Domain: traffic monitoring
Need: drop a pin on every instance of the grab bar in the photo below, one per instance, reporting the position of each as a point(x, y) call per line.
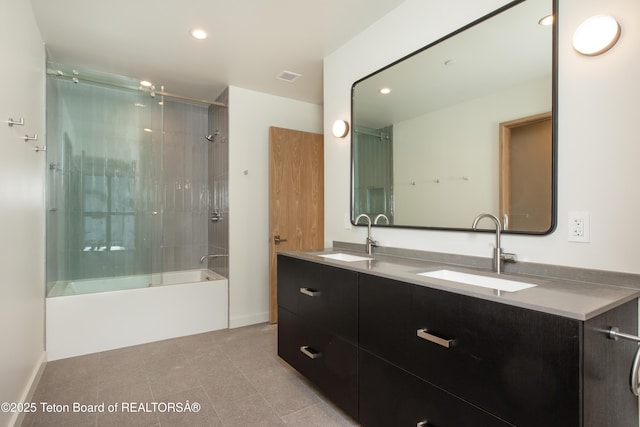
point(614, 333)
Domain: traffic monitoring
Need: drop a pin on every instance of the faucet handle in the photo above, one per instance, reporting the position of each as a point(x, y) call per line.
point(507, 257)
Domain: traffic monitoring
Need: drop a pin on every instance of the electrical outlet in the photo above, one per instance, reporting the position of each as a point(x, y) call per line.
point(579, 227)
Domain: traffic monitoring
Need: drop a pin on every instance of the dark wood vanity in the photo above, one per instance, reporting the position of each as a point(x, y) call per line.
point(393, 353)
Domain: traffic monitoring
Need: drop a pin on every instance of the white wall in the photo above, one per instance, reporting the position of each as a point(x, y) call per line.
point(21, 204)
point(435, 146)
point(599, 146)
point(250, 116)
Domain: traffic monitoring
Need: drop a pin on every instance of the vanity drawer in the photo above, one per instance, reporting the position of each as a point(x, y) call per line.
point(328, 361)
point(390, 396)
point(518, 364)
point(321, 294)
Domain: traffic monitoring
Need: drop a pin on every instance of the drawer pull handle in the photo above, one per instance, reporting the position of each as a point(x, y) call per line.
point(309, 352)
point(422, 333)
point(310, 292)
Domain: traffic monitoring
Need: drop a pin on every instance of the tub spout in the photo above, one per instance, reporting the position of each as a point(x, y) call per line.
point(212, 256)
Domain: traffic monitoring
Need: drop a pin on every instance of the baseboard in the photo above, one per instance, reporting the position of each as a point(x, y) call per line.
point(249, 319)
point(29, 391)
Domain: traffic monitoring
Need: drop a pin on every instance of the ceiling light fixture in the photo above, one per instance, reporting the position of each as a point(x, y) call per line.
point(596, 35)
point(146, 83)
point(385, 90)
point(546, 20)
point(199, 34)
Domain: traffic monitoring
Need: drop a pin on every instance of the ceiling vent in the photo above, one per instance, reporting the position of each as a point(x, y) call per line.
point(289, 76)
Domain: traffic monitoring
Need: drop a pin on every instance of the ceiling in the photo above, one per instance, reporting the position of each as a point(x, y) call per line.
point(250, 42)
point(506, 51)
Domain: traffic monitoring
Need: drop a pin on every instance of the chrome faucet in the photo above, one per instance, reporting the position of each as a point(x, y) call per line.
point(370, 243)
point(383, 216)
point(211, 256)
point(498, 255)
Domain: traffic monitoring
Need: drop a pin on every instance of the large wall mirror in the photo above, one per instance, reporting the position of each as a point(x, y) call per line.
point(467, 126)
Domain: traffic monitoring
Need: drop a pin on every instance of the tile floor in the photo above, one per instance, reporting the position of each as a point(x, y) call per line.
point(235, 376)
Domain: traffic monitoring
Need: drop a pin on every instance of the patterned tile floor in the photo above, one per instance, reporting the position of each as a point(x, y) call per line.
point(234, 375)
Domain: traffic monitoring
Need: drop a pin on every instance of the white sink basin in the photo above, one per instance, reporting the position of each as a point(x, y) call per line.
point(345, 257)
point(476, 280)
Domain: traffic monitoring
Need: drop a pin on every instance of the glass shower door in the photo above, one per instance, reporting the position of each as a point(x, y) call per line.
point(104, 218)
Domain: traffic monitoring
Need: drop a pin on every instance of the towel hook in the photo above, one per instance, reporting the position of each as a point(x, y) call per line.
point(12, 122)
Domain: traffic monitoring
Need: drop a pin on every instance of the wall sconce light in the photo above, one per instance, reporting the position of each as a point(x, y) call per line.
point(340, 128)
point(596, 35)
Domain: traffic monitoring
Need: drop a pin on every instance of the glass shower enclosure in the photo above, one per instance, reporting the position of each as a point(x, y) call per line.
point(104, 160)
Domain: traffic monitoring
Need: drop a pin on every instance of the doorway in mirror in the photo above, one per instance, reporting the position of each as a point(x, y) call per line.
point(525, 173)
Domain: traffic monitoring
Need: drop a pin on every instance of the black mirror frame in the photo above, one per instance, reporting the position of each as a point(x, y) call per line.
point(554, 116)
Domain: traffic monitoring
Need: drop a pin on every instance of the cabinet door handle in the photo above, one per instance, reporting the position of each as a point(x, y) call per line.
point(310, 292)
point(309, 352)
point(423, 333)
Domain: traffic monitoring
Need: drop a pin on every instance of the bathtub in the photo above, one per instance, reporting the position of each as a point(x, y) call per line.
point(187, 303)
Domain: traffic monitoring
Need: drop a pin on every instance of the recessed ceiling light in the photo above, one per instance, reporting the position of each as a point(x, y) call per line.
point(547, 20)
point(147, 130)
point(385, 90)
point(199, 34)
point(146, 83)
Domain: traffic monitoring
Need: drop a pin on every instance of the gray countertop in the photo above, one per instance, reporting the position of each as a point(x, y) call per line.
point(574, 299)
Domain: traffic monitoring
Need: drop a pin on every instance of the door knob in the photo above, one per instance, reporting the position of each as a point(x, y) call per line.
point(277, 240)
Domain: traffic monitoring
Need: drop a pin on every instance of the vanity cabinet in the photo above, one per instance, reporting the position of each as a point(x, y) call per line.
point(390, 396)
point(526, 367)
point(424, 356)
point(318, 327)
point(518, 364)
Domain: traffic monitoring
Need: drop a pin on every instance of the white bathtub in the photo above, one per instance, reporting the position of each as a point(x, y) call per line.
point(187, 303)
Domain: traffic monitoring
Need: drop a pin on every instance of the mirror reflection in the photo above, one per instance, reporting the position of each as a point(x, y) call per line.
point(462, 127)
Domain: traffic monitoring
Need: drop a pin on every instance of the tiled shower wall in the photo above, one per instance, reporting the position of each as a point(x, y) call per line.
point(186, 188)
point(218, 231)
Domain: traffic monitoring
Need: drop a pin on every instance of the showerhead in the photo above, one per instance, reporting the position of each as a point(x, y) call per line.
point(212, 137)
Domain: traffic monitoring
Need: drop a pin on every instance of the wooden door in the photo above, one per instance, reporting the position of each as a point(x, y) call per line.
point(296, 198)
point(526, 173)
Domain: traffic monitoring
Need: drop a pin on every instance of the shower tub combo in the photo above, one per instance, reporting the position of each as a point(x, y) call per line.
point(114, 315)
point(131, 187)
